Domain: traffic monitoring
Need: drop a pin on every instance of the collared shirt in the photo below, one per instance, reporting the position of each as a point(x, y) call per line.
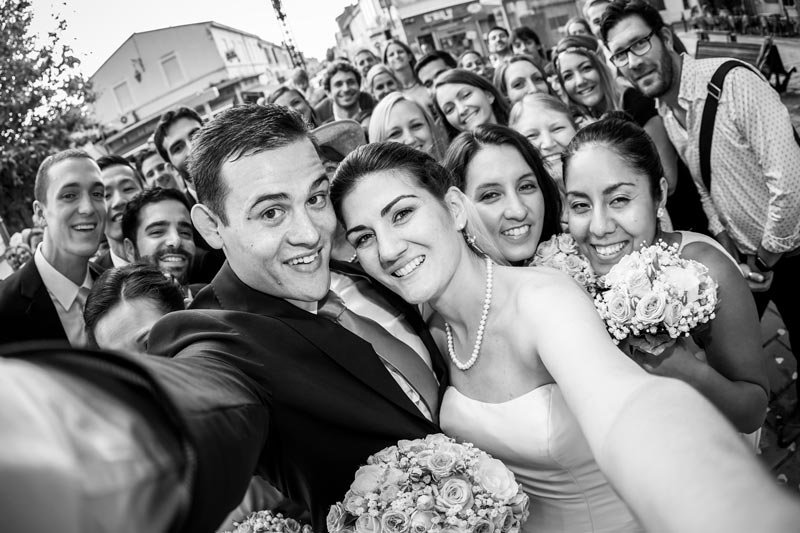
point(67, 298)
point(360, 298)
point(755, 161)
point(116, 260)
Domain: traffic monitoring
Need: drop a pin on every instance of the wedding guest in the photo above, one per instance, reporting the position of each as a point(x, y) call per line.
point(400, 59)
point(398, 118)
point(125, 303)
point(294, 99)
point(381, 81)
point(518, 76)
point(498, 42)
point(121, 183)
point(173, 140)
point(465, 101)
point(593, 11)
point(364, 60)
point(577, 26)
point(615, 189)
point(156, 171)
point(549, 125)
point(345, 100)
point(591, 88)
point(431, 65)
point(503, 176)
point(525, 41)
point(44, 299)
point(474, 62)
point(751, 192)
point(157, 229)
point(544, 389)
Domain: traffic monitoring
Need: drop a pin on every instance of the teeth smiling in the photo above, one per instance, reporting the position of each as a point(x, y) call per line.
point(84, 227)
point(306, 259)
point(609, 250)
point(518, 231)
point(410, 267)
point(172, 258)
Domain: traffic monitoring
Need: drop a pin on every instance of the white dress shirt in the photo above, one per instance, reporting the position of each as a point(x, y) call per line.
point(116, 260)
point(68, 298)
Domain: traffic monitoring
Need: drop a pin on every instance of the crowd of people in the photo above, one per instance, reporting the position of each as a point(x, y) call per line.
point(293, 285)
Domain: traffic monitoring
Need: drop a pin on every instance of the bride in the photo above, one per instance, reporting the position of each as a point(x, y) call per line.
point(537, 382)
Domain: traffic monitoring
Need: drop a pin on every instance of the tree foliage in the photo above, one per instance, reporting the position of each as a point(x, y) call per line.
point(43, 105)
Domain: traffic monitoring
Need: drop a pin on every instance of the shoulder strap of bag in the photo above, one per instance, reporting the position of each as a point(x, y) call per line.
point(714, 89)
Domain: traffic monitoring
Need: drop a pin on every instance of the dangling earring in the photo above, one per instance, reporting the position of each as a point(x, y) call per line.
point(660, 212)
point(472, 243)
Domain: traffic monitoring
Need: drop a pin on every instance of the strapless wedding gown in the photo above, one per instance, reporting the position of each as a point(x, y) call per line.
point(539, 439)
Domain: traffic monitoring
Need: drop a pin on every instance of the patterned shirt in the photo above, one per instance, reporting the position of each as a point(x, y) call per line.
point(755, 161)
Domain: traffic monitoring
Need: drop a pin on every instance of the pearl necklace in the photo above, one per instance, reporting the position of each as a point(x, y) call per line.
point(476, 350)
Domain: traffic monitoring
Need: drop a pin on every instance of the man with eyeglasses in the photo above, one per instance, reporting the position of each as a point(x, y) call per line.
point(753, 201)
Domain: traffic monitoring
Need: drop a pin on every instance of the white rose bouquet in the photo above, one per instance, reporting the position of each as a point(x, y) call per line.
point(561, 252)
point(654, 296)
point(433, 484)
point(265, 521)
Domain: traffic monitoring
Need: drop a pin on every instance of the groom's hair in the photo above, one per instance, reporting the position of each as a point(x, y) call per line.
point(238, 132)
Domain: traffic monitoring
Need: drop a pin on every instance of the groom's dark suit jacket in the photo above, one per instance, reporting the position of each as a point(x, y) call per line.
point(329, 399)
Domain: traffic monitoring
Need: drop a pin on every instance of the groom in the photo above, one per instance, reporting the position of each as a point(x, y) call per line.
point(262, 378)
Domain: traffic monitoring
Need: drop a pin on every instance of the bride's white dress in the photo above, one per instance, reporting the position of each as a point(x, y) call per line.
point(539, 439)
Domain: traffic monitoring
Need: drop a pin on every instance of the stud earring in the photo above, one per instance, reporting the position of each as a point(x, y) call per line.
point(660, 212)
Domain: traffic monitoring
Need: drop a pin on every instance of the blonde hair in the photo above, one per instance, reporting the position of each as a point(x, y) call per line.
point(375, 70)
point(540, 100)
point(378, 124)
point(578, 44)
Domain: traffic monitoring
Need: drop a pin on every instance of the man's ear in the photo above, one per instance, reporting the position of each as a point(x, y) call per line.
point(455, 201)
point(38, 213)
point(667, 38)
point(208, 224)
point(130, 250)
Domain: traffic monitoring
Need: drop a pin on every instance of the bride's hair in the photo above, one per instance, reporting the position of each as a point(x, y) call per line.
point(466, 146)
point(430, 175)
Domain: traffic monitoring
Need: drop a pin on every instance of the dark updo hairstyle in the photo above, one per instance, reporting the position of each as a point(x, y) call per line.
point(388, 156)
point(499, 106)
point(466, 146)
point(626, 139)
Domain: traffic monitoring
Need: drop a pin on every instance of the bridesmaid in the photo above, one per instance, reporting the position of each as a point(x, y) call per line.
point(615, 189)
point(465, 101)
point(503, 176)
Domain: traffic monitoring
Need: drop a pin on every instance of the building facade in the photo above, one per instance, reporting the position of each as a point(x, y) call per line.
point(206, 66)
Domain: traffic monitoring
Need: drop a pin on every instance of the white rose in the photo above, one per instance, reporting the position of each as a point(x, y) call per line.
point(651, 308)
point(684, 279)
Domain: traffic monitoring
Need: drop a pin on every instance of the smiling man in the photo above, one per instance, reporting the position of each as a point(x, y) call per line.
point(173, 140)
point(157, 229)
point(121, 183)
point(344, 100)
point(45, 298)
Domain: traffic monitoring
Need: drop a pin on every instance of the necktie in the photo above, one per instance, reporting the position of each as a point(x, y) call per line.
point(392, 351)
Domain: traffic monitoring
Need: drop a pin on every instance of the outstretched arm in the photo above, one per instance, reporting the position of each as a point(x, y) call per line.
point(668, 452)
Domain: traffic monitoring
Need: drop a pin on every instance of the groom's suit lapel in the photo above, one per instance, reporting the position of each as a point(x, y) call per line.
point(347, 349)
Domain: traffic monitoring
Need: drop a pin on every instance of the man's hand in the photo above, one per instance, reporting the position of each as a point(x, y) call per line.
point(758, 281)
point(725, 240)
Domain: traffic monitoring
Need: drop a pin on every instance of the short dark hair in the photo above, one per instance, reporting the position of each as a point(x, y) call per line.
point(618, 10)
point(466, 146)
point(626, 139)
point(42, 175)
point(433, 56)
point(524, 33)
point(412, 59)
point(238, 131)
point(108, 161)
point(499, 106)
point(339, 66)
point(117, 285)
point(498, 28)
point(154, 195)
point(145, 154)
point(382, 156)
point(167, 120)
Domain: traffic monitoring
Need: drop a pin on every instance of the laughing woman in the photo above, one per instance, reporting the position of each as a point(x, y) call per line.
point(615, 189)
point(401, 119)
point(536, 380)
point(465, 101)
point(505, 179)
point(590, 86)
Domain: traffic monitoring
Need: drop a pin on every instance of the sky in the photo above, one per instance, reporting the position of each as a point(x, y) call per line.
point(96, 28)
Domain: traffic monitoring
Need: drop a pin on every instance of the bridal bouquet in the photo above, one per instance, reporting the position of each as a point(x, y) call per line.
point(433, 484)
point(561, 252)
point(264, 521)
point(653, 296)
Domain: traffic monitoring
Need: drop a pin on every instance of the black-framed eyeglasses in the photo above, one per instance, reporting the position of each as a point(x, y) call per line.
point(638, 48)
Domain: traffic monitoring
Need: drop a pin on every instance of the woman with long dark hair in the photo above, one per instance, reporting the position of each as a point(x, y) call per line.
point(465, 101)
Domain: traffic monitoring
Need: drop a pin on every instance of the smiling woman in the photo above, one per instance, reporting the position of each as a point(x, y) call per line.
point(465, 101)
